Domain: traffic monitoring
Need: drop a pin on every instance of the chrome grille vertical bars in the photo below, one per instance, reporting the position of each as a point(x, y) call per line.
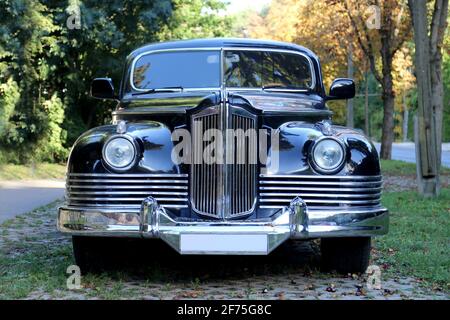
point(243, 171)
point(204, 186)
point(225, 190)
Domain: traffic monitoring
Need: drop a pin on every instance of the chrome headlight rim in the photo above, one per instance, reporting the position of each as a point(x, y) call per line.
point(133, 161)
point(320, 169)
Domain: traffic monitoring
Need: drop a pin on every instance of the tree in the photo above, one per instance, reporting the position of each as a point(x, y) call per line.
point(430, 91)
point(196, 19)
point(318, 26)
point(381, 41)
point(46, 66)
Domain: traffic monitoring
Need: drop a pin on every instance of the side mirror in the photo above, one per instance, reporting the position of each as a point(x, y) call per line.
point(102, 88)
point(342, 89)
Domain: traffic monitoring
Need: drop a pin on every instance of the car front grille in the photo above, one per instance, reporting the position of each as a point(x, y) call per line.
point(321, 192)
point(205, 179)
point(243, 171)
point(126, 190)
point(224, 190)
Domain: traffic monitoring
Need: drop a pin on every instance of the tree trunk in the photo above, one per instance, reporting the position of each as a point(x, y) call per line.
point(425, 137)
point(438, 27)
point(405, 119)
point(366, 105)
point(350, 116)
point(387, 135)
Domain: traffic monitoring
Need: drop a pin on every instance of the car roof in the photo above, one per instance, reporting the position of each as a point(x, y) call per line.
point(221, 43)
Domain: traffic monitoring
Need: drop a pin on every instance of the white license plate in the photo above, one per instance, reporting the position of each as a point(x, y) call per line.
point(223, 244)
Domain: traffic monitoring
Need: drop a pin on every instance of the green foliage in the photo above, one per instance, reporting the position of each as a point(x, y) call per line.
point(9, 97)
point(46, 67)
point(51, 146)
point(196, 19)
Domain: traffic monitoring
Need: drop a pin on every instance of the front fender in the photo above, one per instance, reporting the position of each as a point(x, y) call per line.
point(297, 138)
point(153, 140)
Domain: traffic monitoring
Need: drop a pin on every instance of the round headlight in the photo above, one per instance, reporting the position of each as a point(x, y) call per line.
point(119, 153)
point(328, 155)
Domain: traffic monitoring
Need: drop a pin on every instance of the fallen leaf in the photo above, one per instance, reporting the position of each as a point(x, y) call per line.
point(310, 287)
point(280, 296)
point(191, 294)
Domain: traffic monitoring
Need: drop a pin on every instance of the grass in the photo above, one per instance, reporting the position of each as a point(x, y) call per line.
point(418, 240)
point(39, 171)
point(402, 168)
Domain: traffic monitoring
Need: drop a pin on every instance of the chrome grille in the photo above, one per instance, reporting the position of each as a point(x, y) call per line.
point(126, 190)
point(243, 170)
point(277, 191)
point(224, 190)
point(205, 177)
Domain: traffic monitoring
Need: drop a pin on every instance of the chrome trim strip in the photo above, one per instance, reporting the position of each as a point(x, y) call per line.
point(291, 176)
point(337, 183)
point(162, 193)
point(127, 181)
point(377, 201)
point(144, 187)
point(107, 199)
point(111, 175)
point(282, 188)
point(111, 208)
point(316, 195)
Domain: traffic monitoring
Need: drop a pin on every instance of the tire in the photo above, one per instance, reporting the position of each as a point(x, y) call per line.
point(345, 255)
point(88, 253)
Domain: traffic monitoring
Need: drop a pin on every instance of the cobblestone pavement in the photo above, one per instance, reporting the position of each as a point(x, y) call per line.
point(155, 271)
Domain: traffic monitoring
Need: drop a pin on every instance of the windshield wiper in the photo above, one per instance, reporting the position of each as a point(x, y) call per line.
point(158, 90)
point(278, 87)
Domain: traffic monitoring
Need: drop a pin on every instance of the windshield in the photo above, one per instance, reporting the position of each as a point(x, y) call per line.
point(242, 69)
point(256, 69)
point(188, 69)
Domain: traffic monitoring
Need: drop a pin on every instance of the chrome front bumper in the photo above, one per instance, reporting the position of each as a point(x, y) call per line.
point(225, 237)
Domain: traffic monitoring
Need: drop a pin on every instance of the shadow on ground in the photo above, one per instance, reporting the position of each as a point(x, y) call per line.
point(153, 259)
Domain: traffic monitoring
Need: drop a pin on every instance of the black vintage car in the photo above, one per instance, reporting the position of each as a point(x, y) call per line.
point(225, 146)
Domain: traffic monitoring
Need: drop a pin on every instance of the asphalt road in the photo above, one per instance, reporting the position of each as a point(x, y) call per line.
point(18, 197)
point(405, 151)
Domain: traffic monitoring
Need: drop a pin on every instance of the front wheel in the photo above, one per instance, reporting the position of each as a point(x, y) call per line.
point(89, 253)
point(345, 255)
